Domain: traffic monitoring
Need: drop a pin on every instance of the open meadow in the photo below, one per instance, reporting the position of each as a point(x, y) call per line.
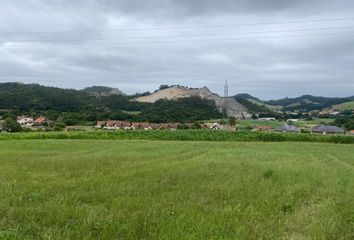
point(112, 189)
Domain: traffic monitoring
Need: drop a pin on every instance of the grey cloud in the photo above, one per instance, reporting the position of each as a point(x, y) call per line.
point(87, 53)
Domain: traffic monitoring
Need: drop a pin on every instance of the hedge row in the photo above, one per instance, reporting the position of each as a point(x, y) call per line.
point(184, 135)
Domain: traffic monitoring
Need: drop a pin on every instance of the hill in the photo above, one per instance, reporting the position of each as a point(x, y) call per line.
point(343, 106)
point(103, 91)
point(80, 107)
point(34, 97)
point(232, 107)
point(307, 103)
point(254, 104)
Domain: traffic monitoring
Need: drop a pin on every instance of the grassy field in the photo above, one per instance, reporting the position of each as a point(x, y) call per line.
point(89, 189)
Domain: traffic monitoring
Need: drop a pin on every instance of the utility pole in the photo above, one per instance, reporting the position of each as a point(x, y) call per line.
point(225, 100)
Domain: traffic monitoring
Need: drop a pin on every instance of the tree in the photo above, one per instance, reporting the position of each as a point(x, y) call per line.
point(196, 125)
point(59, 126)
point(232, 121)
point(164, 86)
point(11, 125)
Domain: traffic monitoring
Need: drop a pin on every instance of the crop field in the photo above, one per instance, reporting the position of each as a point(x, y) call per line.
point(112, 189)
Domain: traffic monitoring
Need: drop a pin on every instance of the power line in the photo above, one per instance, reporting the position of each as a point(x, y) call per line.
point(181, 41)
point(190, 36)
point(181, 27)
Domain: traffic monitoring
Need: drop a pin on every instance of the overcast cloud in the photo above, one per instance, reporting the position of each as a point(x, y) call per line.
point(137, 45)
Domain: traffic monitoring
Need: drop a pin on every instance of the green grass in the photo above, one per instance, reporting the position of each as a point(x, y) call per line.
point(271, 107)
point(88, 189)
point(250, 122)
point(344, 106)
point(315, 121)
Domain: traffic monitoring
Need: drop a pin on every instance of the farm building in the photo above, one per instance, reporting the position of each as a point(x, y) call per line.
point(326, 129)
point(287, 128)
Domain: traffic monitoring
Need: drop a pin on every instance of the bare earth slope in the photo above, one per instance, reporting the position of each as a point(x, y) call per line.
point(233, 108)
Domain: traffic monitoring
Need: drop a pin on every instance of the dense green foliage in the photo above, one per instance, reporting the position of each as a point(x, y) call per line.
point(185, 135)
point(73, 107)
point(64, 189)
point(33, 98)
point(11, 125)
point(181, 110)
point(346, 122)
point(97, 89)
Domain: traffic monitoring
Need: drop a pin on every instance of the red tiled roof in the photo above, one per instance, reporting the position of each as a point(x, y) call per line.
point(40, 120)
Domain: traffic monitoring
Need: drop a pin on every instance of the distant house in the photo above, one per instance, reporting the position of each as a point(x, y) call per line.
point(268, 119)
point(100, 124)
point(155, 126)
point(351, 132)
point(326, 129)
point(125, 125)
point(286, 128)
point(140, 126)
point(114, 125)
point(40, 121)
point(25, 121)
point(262, 128)
point(168, 126)
point(1, 124)
point(216, 126)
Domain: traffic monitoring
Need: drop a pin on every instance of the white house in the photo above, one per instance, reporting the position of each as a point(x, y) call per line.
point(268, 119)
point(25, 121)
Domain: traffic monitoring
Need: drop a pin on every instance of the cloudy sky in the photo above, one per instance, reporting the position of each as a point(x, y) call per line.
point(269, 48)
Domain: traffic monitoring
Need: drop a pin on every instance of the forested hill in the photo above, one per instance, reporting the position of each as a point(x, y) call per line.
point(74, 106)
point(304, 103)
point(308, 102)
point(34, 97)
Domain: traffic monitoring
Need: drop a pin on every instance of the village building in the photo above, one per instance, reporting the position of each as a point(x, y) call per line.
point(40, 121)
point(25, 121)
point(1, 124)
point(351, 132)
point(140, 126)
point(155, 126)
point(326, 129)
point(100, 124)
point(286, 128)
point(216, 126)
point(262, 128)
point(268, 119)
point(125, 125)
point(168, 126)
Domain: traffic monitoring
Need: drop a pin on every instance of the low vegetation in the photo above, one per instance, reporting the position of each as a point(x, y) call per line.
point(184, 135)
point(70, 189)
